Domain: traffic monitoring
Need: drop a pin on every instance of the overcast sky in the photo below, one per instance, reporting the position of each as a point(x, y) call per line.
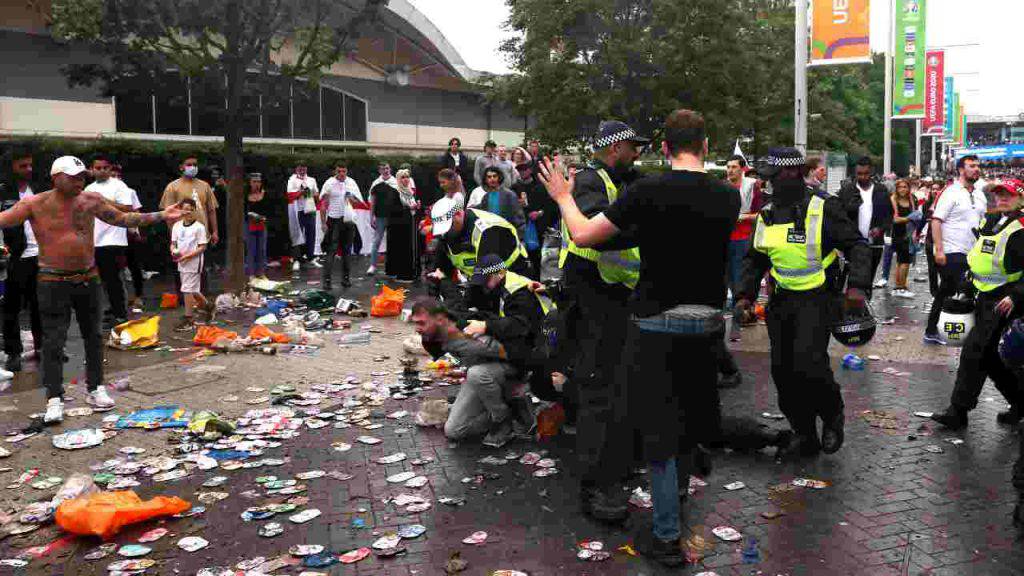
point(988, 82)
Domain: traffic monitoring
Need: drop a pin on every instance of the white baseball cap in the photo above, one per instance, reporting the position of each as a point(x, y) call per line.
point(69, 165)
point(442, 215)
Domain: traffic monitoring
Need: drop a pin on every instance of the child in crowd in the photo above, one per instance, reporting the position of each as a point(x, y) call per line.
point(188, 242)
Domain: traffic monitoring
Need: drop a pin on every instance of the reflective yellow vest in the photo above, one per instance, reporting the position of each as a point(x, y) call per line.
point(615, 266)
point(516, 282)
point(465, 261)
point(986, 259)
point(796, 255)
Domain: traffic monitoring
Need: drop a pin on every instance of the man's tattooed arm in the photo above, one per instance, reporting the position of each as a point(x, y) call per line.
point(111, 215)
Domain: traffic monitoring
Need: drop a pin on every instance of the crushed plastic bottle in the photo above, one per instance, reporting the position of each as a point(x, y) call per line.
point(356, 338)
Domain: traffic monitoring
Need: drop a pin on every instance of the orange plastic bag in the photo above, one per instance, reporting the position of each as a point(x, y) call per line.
point(207, 335)
point(260, 331)
point(549, 421)
point(387, 303)
point(168, 301)
point(105, 513)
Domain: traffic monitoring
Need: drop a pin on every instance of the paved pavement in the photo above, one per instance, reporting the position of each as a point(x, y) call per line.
point(891, 507)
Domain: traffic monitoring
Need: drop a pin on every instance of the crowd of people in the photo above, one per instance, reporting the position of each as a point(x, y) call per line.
point(651, 266)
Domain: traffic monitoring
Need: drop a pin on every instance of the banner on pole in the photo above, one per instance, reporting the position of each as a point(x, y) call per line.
point(947, 107)
point(909, 60)
point(934, 93)
point(840, 32)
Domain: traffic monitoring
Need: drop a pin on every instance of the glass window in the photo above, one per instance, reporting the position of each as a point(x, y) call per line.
point(171, 104)
point(133, 105)
point(306, 107)
point(333, 125)
point(208, 105)
point(355, 119)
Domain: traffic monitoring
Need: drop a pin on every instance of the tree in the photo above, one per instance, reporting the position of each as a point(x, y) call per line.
point(140, 39)
point(579, 61)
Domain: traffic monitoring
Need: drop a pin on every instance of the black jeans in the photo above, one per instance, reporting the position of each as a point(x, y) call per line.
point(56, 301)
point(20, 291)
point(950, 277)
point(110, 274)
point(133, 257)
point(876, 259)
point(798, 328)
point(979, 359)
point(339, 233)
point(933, 270)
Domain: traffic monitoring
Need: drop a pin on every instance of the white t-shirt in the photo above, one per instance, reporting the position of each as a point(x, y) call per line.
point(867, 207)
point(455, 159)
point(188, 238)
point(117, 192)
point(960, 213)
point(31, 246)
point(338, 205)
point(295, 184)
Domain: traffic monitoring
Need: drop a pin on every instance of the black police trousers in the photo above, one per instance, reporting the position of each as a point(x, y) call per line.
point(799, 331)
point(979, 359)
point(1018, 466)
point(597, 322)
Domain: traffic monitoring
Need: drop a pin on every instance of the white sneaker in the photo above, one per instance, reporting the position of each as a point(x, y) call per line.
point(371, 270)
point(54, 411)
point(6, 375)
point(881, 283)
point(99, 398)
point(904, 293)
point(295, 266)
point(316, 263)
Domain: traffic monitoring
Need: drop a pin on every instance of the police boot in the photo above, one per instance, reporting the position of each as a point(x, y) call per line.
point(1011, 416)
point(832, 434)
point(798, 446)
point(953, 418)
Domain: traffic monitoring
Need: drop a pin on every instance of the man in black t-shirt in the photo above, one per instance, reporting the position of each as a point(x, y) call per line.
point(681, 221)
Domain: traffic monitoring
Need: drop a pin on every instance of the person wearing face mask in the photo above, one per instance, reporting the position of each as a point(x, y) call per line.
point(797, 237)
point(191, 186)
point(996, 262)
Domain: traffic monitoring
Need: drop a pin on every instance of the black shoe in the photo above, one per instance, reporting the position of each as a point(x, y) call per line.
point(701, 463)
point(499, 435)
point(665, 552)
point(346, 283)
point(601, 505)
point(730, 380)
point(798, 446)
point(953, 418)
point(832, 435)
point(13, 363)
point(1011, 416)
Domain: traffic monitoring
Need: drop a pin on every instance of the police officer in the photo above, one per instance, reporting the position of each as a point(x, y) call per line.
point(797, 237)
point(997, 269)
point(597, 284)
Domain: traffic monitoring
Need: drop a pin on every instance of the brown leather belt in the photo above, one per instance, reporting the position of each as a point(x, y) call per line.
point(53, 275)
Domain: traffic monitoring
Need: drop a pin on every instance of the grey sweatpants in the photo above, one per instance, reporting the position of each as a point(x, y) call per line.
point(481, 401)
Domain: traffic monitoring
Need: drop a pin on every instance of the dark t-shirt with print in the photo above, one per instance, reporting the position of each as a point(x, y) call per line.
point(681, 221)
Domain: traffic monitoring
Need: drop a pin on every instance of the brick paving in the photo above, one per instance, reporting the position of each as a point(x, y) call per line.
point(892, 507)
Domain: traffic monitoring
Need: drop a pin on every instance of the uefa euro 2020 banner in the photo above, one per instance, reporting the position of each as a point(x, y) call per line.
point(840, 32)
point(909, 60)
point(934, 93)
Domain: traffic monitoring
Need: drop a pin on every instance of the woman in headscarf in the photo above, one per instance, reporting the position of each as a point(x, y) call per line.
point(401, 251)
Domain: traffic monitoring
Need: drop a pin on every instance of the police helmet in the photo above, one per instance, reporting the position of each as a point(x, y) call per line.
point(957, 319)
point(1011, 345)
point(855, 327)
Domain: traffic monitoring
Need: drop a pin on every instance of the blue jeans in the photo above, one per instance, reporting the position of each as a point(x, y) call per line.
point(734, 268)
point(378, 236)
point(255, 252)
point(887, 254)
point(665, 498)
point(308, 224)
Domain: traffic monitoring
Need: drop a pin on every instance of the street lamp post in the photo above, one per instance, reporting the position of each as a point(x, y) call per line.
point(800, 87)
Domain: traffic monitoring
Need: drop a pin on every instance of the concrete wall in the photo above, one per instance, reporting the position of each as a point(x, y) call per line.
point(28, 116)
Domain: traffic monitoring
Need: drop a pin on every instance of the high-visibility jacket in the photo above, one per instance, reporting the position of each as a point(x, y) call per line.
point(615, 266)
point(795, 251)
point(465, 261)
point(986, 257)
point(516, 282)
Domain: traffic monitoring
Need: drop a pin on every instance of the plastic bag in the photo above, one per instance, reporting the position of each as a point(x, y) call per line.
point(433, 412)
point(226, 302)
point(530, 238)
point(207, 335)
point(207, 422)
point(136, 334)
point(168, 301)
point(387, 303)
point(317, 299)
point(77, 486)
point(549, 420)
point(105, 513)
point(260, 332)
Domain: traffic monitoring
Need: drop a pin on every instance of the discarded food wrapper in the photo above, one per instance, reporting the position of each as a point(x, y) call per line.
point(386, 541)
point(545, 463)
point(810, 483)
point(772, 514)
point(923, 414)
point(545, 472)
point(131, 566)
point(211, 497)
point(270, 530)
point(304, 516)
point(301, 550)
point(640, 498)
point(476, 538)
point(368, 440)
point(133, 550)
point(153, 535)
point(319, 560)
point(416, 482)
point(452, 500)
point(47, 483)
point(311, 475)
point(772, 415)
point(101, 551)
point(727, 533)
point(251, 563)
point(934, 449)
point(417, 508)
point(392, 458)
point(192, 543)
point(411, 531)
point(735, 486)
point(401, 477)
point(955, 441)
point(354, 556)
point(592, 555)
point(76, 439)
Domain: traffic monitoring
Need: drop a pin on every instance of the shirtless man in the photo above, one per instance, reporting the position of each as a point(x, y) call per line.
point(62, 220)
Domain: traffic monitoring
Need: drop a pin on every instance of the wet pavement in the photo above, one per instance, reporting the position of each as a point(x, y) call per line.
point(894, 504)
